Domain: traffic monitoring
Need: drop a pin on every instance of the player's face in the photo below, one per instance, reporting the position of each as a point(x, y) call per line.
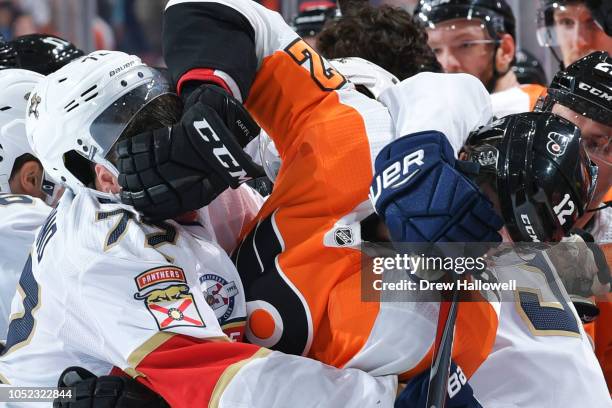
point(597, 138)
point(578, 34)
point(464, 46)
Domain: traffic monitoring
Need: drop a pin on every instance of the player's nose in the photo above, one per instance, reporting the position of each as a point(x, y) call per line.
point(448, 60)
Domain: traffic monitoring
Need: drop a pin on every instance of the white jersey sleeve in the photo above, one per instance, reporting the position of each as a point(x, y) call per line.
point(453, 104)
point(102, 289)
point(542, 357)
point(20, 217)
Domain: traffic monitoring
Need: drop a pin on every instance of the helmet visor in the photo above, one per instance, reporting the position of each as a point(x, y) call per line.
point(594, 121)
point(110, 124)
point(558, 23)
point(433, 17)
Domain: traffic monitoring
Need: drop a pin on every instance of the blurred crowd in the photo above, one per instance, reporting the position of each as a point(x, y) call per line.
point(133, 26)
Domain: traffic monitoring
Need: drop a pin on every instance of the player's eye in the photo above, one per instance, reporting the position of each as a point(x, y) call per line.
point(566, 22)
point(467, 45)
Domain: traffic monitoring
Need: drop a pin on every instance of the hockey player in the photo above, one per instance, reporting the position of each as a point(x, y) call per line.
point(579, 94)
point(575, 27)
point(533, 333)
point(538, 204)
point(21, 175)
point(22, 211)
point(479, 38)
point(386, 36)
point(288, 243)
point(102, 288)
point(312, 220)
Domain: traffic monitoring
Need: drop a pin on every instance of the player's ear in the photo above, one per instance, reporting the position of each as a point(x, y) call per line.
point(505, 53)
point(29, 179)
point(106, 181)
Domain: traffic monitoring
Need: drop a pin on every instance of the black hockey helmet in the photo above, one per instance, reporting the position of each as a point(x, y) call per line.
point(312, 17)
point(44, 53)
point(601, 10)
point(8, 54)
point(585, 87)
point(540, 171)
point(496, 15)
point(528, 69)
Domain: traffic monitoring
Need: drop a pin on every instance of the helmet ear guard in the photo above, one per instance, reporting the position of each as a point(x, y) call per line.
point(540, 171)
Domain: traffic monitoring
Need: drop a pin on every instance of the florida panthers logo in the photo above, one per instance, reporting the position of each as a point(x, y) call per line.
point(219, 295)
point(557, 143)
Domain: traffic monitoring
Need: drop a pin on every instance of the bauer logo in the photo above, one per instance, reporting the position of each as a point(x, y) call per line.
point(396, 174)
point(557, 143)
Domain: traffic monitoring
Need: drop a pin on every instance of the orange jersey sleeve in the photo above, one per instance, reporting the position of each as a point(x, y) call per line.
point(300, 259)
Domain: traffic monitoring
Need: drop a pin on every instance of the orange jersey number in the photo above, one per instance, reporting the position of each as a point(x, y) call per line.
point(325, 76)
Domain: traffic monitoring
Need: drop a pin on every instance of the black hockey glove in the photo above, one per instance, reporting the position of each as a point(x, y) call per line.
point(89, 391)
point(167, 172)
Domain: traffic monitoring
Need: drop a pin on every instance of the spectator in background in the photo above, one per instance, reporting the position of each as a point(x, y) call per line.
point(478, 37)
point(13, 21)
point(312, 17)
point(386, 36)
point(576, 27)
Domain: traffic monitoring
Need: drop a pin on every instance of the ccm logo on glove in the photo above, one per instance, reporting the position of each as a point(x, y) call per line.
point(391, 176)
point(220, 151)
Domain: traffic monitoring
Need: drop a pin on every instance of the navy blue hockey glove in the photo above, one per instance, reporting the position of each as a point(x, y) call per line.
point(459, 391)
point(423, 197)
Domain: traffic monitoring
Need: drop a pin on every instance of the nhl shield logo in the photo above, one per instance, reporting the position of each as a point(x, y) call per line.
point(557, 143)
point(343, 236)
point(220, 295)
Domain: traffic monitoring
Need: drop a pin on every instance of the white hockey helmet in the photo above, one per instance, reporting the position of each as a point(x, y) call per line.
point(77, 114)
point(16, 85)
point(365, 74)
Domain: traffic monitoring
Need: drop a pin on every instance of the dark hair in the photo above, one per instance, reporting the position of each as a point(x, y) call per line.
point(161, 112)
point(386, 36)
point(20, 161)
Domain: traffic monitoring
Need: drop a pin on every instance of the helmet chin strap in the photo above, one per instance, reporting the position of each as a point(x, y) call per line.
point(492, 83)
point(605, 205)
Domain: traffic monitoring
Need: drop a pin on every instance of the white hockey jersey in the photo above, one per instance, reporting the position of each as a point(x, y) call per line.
point(20, 218)
point(103, 289)
point(517, 99)
point(541, 357)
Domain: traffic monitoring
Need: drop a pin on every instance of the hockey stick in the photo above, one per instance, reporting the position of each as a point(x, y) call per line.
point(443, 346)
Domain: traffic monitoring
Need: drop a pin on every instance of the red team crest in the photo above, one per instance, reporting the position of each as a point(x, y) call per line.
point(167, 297)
